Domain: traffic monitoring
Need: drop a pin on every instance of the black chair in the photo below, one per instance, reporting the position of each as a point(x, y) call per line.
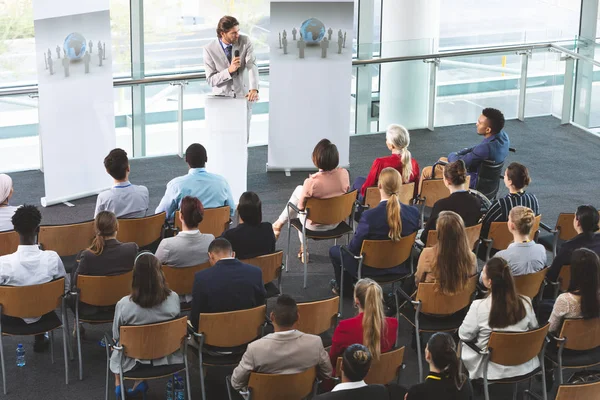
point(488, 179)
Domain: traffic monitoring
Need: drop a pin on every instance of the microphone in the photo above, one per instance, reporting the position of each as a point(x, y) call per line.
point(236, 54)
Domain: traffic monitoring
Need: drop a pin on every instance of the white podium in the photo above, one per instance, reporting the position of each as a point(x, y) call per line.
point(225, 140)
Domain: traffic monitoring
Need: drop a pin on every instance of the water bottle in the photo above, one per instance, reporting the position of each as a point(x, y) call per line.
point(170, 389)
point(179, 391)
point(20, 355)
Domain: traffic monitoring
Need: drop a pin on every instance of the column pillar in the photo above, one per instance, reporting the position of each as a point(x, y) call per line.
point(138, 92)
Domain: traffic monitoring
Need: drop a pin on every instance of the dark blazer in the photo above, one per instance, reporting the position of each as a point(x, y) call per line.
point(370, 392)
point(437, 386)
point(251, 241)
point(563, 257)
point(229, 285)
point(465, 204)
point(116, 258)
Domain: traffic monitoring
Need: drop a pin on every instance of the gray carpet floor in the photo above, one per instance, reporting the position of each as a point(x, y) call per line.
point(562, 162)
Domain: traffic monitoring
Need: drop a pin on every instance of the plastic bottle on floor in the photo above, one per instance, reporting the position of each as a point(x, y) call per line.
point(169, 389)
point(180, 391)
point(20, 355)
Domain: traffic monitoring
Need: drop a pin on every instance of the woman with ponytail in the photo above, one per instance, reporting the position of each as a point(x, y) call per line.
point(389, 220)
point(502, 310)
point(370, 327)
point(445, 380)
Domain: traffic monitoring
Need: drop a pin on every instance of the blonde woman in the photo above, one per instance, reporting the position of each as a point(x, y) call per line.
point(389, 220)
point(370, 327)
point(6, 210)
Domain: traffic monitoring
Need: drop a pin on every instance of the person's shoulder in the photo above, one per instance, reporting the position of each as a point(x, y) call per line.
point(130, 246)
point(210, 45)
point(141, 189)
point(177, 180)
point(104, 195)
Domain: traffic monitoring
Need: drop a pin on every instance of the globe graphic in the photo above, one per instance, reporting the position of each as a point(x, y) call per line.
point(312, 30)
point(75, 46)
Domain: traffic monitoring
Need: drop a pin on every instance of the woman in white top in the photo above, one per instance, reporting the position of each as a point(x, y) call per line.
point(6, 210)
point(502, 310)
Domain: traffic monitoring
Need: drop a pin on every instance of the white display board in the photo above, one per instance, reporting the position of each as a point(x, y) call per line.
point(76, 111)
point(225, 141)
point(310, 82)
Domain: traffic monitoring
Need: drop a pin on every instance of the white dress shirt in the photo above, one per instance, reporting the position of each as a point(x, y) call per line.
point(125, 200)
point(349, 386)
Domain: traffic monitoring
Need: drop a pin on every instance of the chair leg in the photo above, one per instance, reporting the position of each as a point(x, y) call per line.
point(187, 371)
point(52, 346)
point(341, 315)
point(107, 371)
point(419, 357)
point(305, 256)
point(201, 367)
point(65, 334)
point(3, 366)
point(515, 391)
point(287, 253)
point(486, 389)
point(123, 390)
point(79, 356)
point(65, 320)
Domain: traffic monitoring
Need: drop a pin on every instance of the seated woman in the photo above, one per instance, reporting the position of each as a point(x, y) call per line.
point(503, 309)
point(523, 255)
point(445, 381)
point(329, 182)
point(397, 140)
point(460, 200)
point(252, 237)
point(451, 261)
point(516, 179)
point(151, 301)
point(6, 210)
point(370, 327)
point(389, 220)
point(585, 223)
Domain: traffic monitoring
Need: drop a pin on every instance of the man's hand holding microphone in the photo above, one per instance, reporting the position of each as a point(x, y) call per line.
point(233, 69)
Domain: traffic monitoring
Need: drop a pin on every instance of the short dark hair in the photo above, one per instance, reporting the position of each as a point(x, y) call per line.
point(285, 312)
point(250, 208)
point(325, 155)
point(116, 163)
point(220, 245)
point(518, 175)
point(195, 155)
point(192, 211)
point(356, 361)
point(495, 119)
point(27, 220)
point(226, 23)
point(588, 218)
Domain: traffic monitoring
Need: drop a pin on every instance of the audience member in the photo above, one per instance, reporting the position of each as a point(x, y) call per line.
point(524, 256)
point(124, 199)
point(6, 210)
point(356, 362)
point(585, 223)
point(450, 262)
point(502, 310)
point(228, 285)
point(151, 301)
point(370, 327)
point(445, 380)
point(252, 237)
point(397, 140)
point(212, 189)
point(330, 181)
point(286, 351)
point(29, 265)
point(460, 200)
point(389, 220)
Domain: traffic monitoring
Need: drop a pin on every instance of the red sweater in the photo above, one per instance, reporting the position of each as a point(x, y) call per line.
point(393, 161)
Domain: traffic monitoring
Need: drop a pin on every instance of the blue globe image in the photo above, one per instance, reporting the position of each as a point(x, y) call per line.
point(75, 46)
point(312, 30)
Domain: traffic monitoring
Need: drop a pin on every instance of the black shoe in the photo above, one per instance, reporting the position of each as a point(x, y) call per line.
point(40, 344)
point(335, 288)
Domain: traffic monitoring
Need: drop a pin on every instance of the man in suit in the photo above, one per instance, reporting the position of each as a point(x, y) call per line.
point(224, 71)
point(228, 285)
point(287, 351)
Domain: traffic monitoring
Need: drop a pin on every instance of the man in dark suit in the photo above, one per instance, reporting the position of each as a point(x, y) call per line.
point(228, 285)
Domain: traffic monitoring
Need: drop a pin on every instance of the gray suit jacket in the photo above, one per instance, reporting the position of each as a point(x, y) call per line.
point(288, 352)
point(185, 249)
point(217, 74)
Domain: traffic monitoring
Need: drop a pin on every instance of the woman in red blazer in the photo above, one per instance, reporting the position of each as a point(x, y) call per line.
point(370, 327)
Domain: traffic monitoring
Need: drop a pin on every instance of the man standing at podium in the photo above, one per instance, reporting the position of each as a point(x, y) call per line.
point(225, 60)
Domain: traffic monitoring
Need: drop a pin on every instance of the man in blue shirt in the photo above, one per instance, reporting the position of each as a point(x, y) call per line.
point(212, 189)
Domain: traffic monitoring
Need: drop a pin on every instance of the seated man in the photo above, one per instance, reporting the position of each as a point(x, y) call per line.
point(124, 199)
point(287, 351)
point(228, 285)
point(29, 265)
point(212, 189)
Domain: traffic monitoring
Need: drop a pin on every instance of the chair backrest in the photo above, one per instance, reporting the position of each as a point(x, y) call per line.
point(581, 334)
point(473, 233)
point(564, 225)
point(488, 178)
point(31, 301)
point(587, 391)
point(317, 317)
point(529, 285)
point(104, 291)
point(433, 190)
point(407, 193)
point(181, 279)
point(384, 254)
point(9, 241)
point(279, 386)
point(330, 211)
point(501, 235)
point(516, 348)
point(215, 221)
point(270, 265)
point(564, 278)
point(382, 371)
point(434, 302)
point(152, 341)
point(67, 240)
point(143, 231)
point(233, 328)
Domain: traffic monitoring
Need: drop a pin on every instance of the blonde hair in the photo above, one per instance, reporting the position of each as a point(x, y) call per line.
point(391, 182)
point(399, 138)
point(370, 296)
point(523, 218)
